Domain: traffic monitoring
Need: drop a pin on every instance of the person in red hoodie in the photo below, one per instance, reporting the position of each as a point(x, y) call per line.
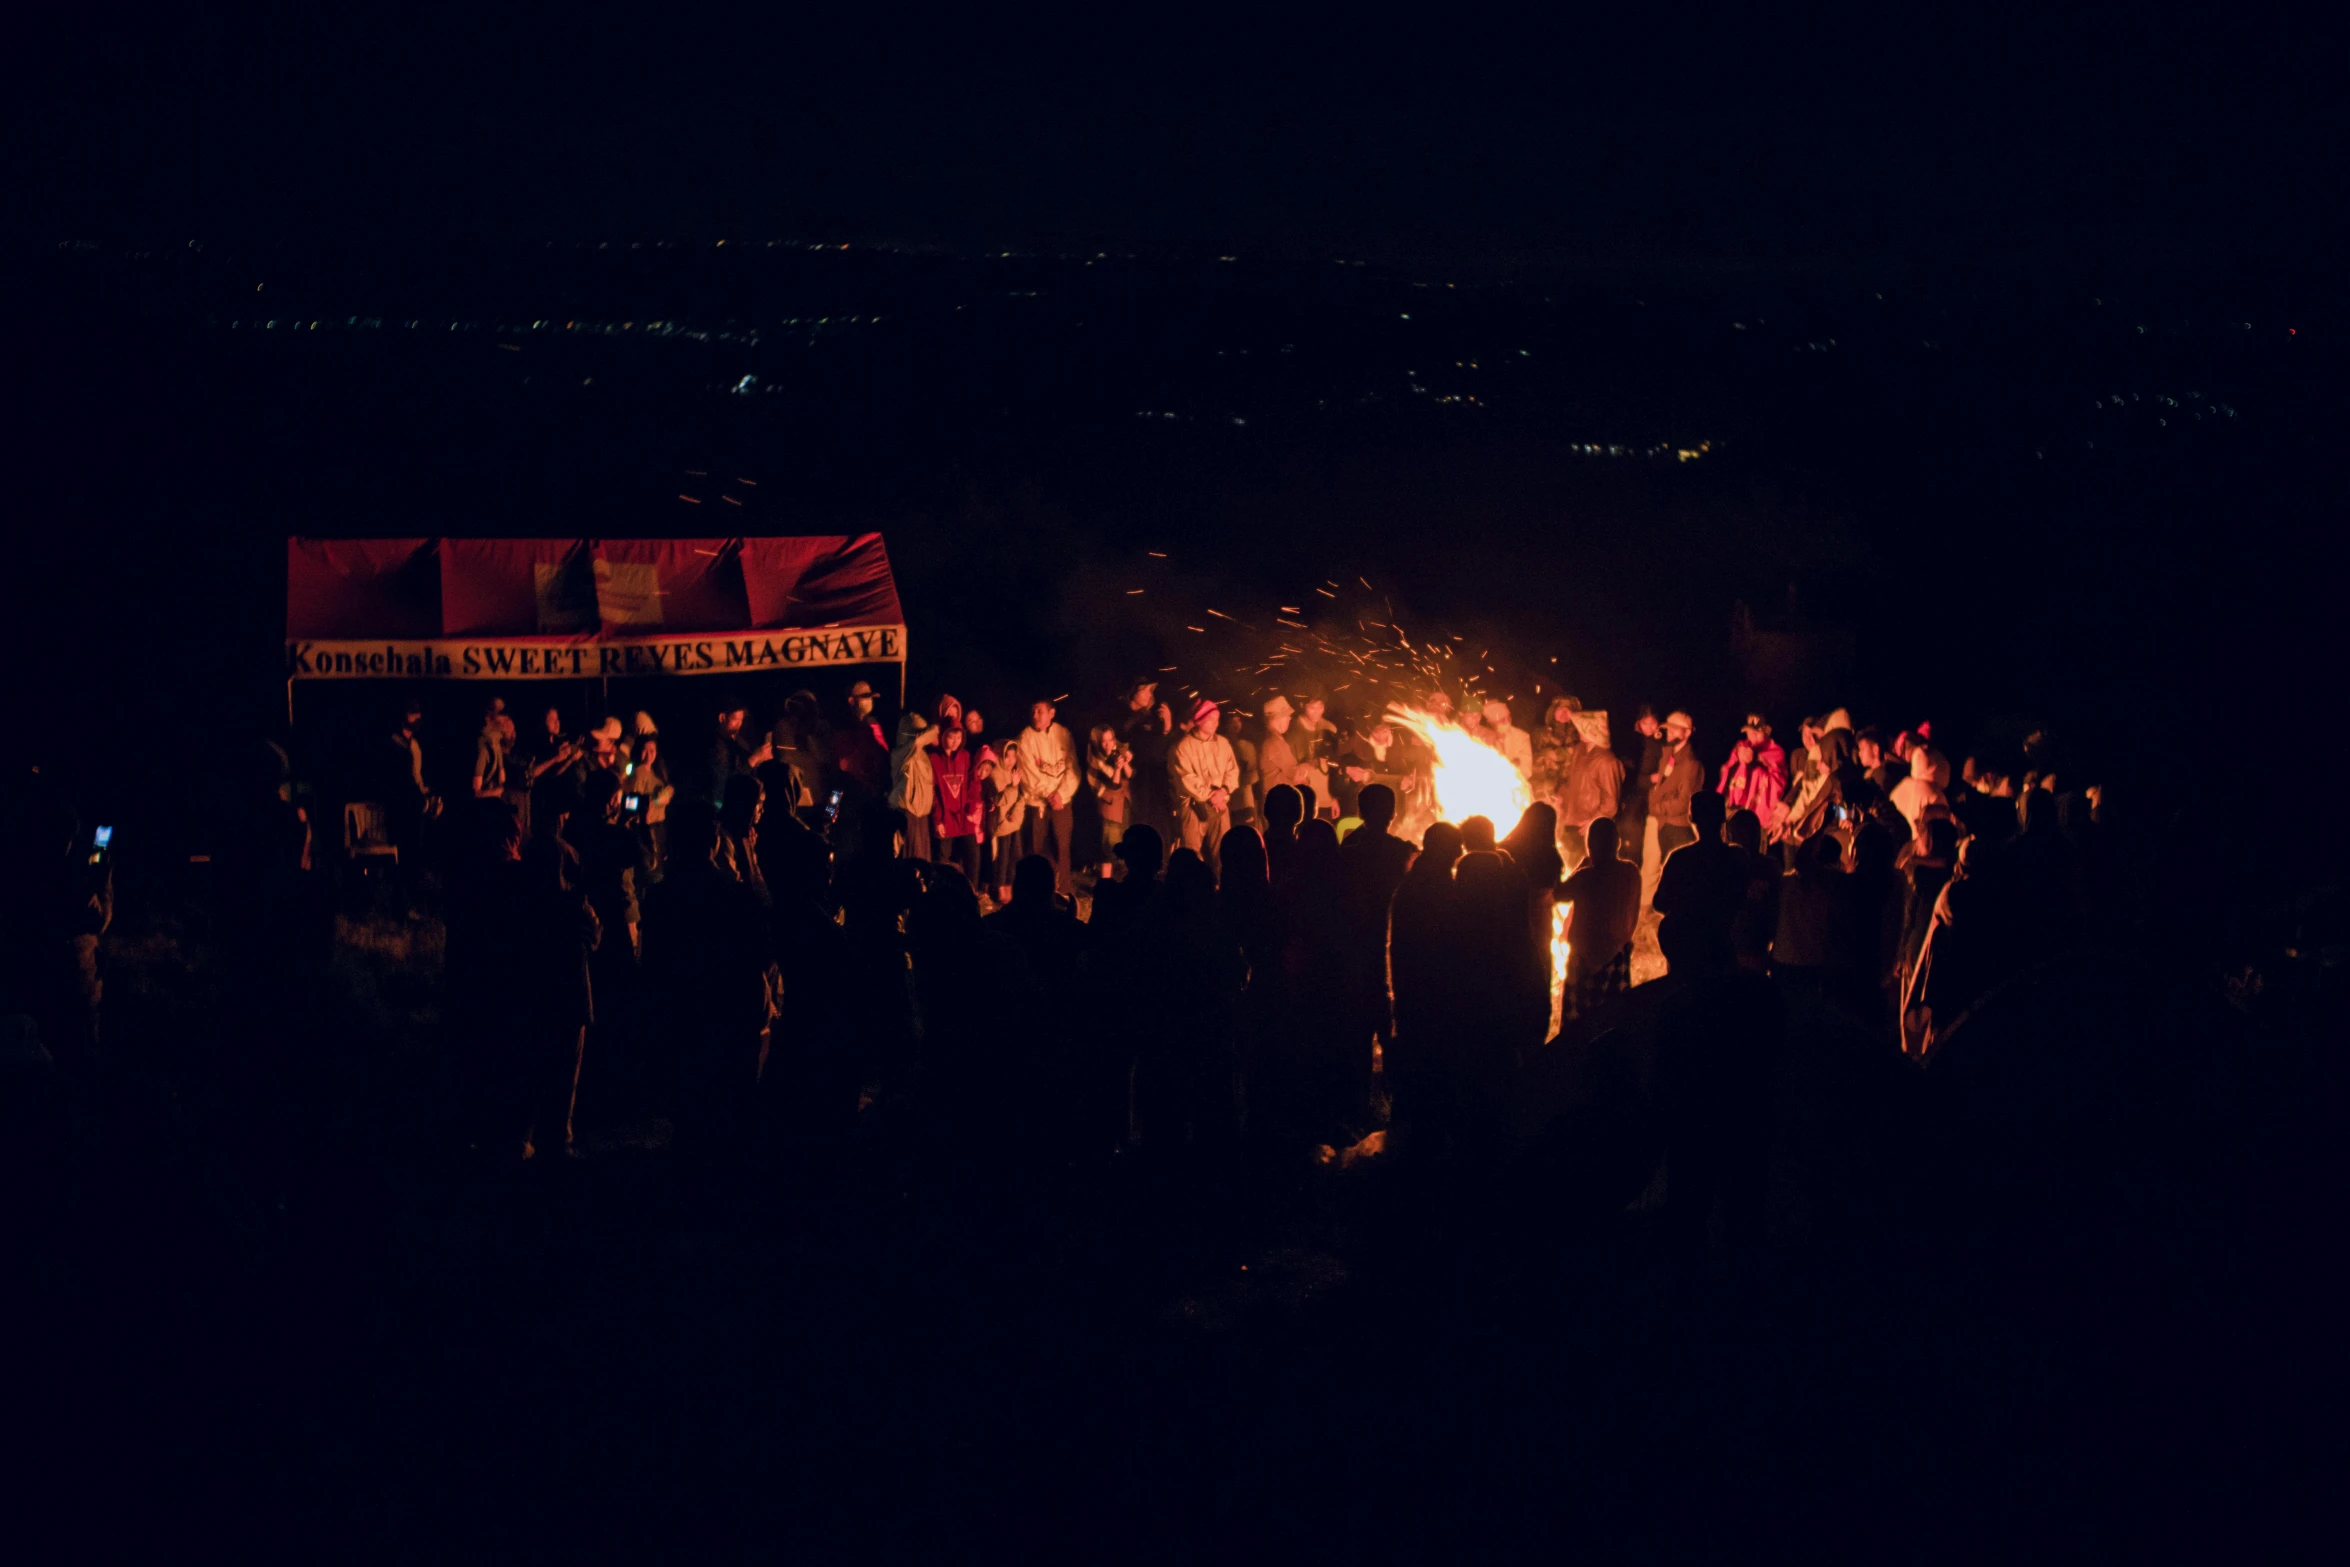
point(958, 808)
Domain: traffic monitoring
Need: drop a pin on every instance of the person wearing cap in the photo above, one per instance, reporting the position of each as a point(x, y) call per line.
point(1277, 760)
point(1050, 771)
point(1203, 773)
point(1678, 777)
point(860, 752)
point(1755, 777)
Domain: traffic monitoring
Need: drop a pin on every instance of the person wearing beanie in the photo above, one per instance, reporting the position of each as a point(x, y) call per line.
point(1203, 773)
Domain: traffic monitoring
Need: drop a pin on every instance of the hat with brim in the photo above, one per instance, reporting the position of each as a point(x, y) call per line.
point(609, 729)
point(1279, 707)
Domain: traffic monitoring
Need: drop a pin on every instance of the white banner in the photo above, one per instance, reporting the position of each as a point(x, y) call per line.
point(523, 658)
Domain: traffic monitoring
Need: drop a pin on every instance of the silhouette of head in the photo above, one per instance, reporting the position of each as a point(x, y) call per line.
point(1244, 859)
point(1601, 836)
point(1744, 829)
point(1143, 853)
point(1284, 809)
point(746, 798)
point(1477, 833)
point(1032, 883)
point(1822, 851)
point(1873, 847)
point(1705, 814)
point(2035, 810)
point(1191, 887)
point(1439, 849)
point(1376, 806)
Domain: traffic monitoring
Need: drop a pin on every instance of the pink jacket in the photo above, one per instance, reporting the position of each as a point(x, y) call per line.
point(1755, 785)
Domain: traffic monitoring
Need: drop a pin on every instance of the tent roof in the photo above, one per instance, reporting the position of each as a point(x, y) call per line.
point(585, 590)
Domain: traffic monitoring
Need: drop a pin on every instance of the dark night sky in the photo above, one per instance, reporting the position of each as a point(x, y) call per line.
point(1997, 165)
point(2127, 133)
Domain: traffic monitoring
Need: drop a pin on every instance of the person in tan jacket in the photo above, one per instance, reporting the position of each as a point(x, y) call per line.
point(1277, 758)
point(1591, 784)
point(1202, 774)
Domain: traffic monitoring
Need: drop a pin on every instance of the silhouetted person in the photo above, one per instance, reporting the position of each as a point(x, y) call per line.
point(1285, 808)
point(1185, 1085)
point(1533, 846)
point(706, 959)
point(1757, 923)
point(1132, 933)
point(1500, 1007)
point(1605, 893)
point(1700, 893)
point(1371, 863)
point(1322, 1074)
point(546, 982)
point(1424, 963)
point(1811, 900)
point(810, 1085)
point(1042, 924)
point(612, 867)
point(1865, 941)
point(739, 816)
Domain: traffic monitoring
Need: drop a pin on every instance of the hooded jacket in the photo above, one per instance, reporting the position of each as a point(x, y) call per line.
point(1757, 784)
point(911, 787)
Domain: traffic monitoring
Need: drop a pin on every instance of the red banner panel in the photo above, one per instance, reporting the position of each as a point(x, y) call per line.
point(838, 581)
point(375, 587)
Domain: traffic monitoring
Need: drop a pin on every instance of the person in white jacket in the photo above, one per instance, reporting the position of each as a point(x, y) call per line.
point(1050, 770)
point(1202, 774)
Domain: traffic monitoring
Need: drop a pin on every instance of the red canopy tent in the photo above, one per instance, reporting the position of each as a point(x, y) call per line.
point(567, 609)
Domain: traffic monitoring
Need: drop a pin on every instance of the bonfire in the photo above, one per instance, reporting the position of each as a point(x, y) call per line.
point(1470, 778)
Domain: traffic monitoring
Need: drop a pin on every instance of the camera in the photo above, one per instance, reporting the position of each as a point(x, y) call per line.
point(100, 842)
point(632, 804)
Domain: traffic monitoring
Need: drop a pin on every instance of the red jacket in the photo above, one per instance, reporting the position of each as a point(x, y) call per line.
point(959, 805)
point(1756, 785)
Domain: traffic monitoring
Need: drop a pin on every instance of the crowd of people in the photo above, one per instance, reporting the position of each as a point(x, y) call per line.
point(807, 907)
